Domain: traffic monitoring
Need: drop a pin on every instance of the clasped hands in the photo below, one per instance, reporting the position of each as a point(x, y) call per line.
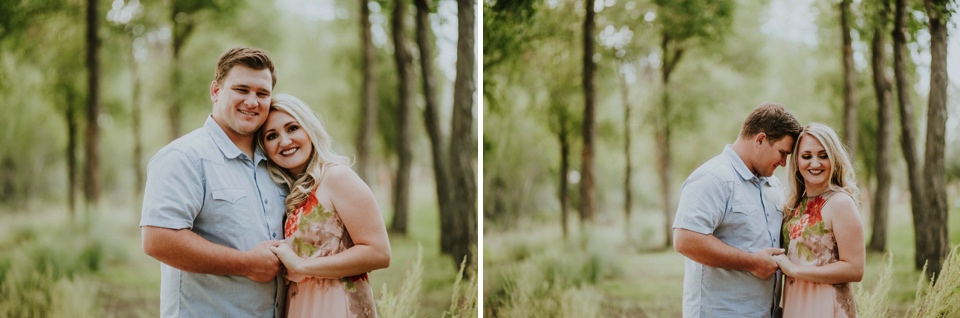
point(772, 259)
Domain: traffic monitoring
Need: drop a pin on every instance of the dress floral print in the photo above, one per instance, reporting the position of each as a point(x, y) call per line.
point(810, 243)
point(314, 231)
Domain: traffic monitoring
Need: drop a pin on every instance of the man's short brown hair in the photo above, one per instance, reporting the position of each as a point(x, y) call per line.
point(255, 59)
point(773, 120)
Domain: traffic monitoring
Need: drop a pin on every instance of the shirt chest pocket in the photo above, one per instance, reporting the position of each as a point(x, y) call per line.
point(745, 224)
point(230, 212)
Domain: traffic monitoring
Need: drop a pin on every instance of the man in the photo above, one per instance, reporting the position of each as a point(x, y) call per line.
point(728, 220)
point(210, 209)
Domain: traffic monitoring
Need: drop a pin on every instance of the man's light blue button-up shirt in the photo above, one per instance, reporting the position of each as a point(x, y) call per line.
point(204, 183)
point(723, 198)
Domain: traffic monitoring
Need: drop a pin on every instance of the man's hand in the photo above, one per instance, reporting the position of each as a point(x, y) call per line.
point(766, 266)
point(263, 265)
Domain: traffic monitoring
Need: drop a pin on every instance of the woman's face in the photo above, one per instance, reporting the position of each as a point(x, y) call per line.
point(286, 143)
point(813, 163)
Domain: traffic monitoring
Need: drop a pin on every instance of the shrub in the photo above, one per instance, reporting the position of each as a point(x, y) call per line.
point(940, 298)
point(405, 302)
point(874, 303)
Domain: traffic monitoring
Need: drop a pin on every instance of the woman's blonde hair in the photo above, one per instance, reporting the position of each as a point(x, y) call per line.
point(842, 176)
point(322, 154)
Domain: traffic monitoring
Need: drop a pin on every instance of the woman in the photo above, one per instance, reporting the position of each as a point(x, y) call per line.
point(822, 230)
point(334, 232)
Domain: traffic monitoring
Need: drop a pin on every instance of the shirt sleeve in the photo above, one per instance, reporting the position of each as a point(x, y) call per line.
point(703, 201)
point(174, 194)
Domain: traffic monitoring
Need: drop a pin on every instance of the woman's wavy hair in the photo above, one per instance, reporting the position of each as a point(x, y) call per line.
point(322, 154)
point(842, 176)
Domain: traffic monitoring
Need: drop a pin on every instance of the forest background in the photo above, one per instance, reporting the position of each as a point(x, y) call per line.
point(596, 111)
point(94, 88)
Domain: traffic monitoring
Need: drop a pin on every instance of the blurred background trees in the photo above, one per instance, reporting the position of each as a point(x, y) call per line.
point(95, 87)
point(673, 82)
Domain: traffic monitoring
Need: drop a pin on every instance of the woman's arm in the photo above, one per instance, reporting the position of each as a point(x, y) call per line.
point(840, 215)
point(357, 207)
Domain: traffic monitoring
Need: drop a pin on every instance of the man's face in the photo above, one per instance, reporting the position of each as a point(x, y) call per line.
point(771, 155)
point(241, 104)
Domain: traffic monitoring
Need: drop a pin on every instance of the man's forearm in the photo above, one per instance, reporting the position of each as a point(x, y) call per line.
point(185, 250)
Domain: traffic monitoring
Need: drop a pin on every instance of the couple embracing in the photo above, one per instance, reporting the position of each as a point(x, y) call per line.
point(739, 234)
point(254, 214)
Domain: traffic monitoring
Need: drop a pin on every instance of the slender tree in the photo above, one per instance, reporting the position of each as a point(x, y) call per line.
point(184, 14)
point(908, 131)
point(884, 90)
point(368, 98)
point(407, 90)
point(628, 166)
point(463, 141)
point(935, 194)
point(683, 24)
point(849, 82)
point(70, 117)
point(92, 169)
point(587, 190)
point(431, 118)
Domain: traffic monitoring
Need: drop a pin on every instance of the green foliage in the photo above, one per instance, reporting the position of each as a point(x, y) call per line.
point(556, 278)
point(44, 275)
point(694, 20)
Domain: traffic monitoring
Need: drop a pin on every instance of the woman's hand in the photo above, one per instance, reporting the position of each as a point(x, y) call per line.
point(786, 266)
point(289, 258)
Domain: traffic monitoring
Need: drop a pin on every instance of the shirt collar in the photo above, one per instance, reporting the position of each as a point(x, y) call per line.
point(226, 146)
point(738, 163)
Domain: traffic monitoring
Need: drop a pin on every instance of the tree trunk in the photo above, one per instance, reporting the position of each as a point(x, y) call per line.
point(664, 162)
point(935, 193)
point(849, 83)
point(662, 122)
point(587, 191)
point(564, 138)
point(182, 28)
point(138, 169)
point(463, 142)
point(883, 88)
point(72, 127)
point(431, 120)
point(628, 167)
point(368, 98)
point(92, 171)
point(908, 131)
point(407, 90)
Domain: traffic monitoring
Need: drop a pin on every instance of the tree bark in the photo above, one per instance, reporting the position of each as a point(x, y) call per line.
point(883, 88)
point(407, 90)
point(628, 167)
point(935, 193)
point(662, 123)
point(72, 143)
point(431, 120)
point(908, 131)
point(182, 28)
point(849, 83)
point(587, 191)
point(368, 98)
point(463, 140)
point(92, 171)
point(564, 138)
point(138, 169)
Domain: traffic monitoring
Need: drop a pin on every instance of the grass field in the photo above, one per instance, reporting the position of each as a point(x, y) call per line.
point(54, 266)
point(625, 274)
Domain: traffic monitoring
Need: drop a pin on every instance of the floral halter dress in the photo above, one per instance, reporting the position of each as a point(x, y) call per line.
point(810, 243)
point(314, 231)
